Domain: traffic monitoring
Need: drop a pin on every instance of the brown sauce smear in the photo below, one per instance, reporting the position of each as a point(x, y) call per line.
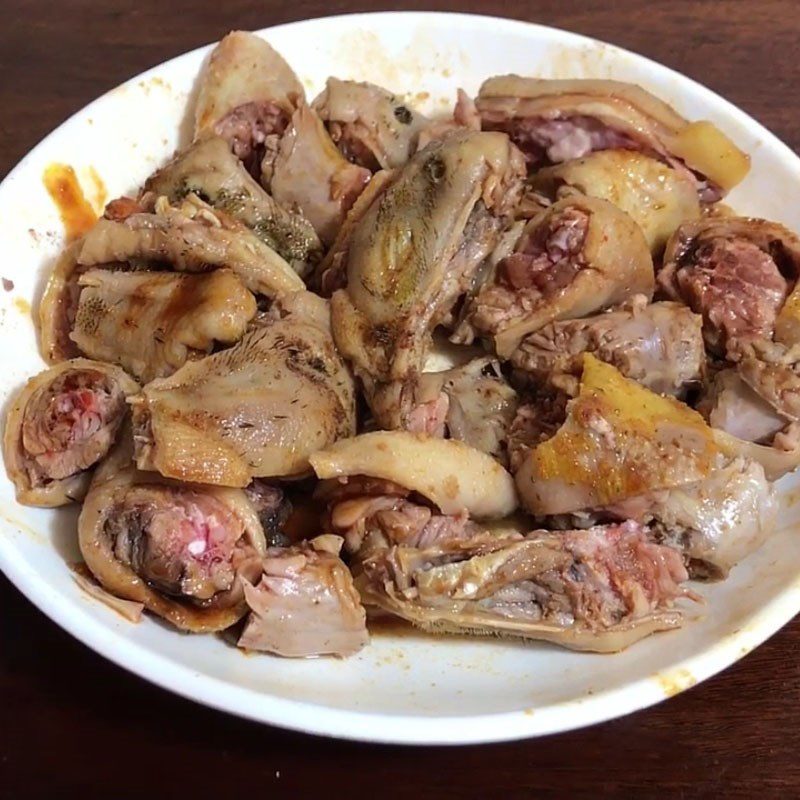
point(75, 210)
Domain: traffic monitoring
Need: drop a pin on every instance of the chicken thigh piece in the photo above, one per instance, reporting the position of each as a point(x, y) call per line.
point(624, 452)
point(739, 273)
point(656, 196)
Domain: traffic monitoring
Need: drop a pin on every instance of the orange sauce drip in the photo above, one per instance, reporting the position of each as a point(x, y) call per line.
point(75, 210)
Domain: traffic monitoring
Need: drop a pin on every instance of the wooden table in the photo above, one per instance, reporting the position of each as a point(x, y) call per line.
point(73, 725)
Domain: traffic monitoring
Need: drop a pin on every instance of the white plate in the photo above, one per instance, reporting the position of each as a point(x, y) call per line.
point(401, 688)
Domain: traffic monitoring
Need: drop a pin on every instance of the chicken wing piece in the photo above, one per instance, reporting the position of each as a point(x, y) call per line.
point(656, 196)
point(60, 425)
point(659, 345)
point(554, 121)
point(577, 257)
point(258, 409)
point(413, 253)
point(208, 169)
point(151, 323)
point(181, 550)
point(310, 174)
point(191, 237)
point(738, 273)
point(305, 603)
point(247, 92)
point(372, 127)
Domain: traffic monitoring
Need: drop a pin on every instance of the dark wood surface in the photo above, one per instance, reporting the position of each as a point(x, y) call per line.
point(73, 725)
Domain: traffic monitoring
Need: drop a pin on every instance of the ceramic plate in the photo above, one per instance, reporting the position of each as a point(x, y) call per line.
point(402, 688)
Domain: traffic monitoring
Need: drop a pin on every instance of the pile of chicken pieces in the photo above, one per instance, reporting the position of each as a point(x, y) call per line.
point(246, 388)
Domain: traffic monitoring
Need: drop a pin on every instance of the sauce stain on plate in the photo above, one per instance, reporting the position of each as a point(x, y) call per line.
point(22, 305)
point(75, 210)
point(673, 683)
point(22, 527)
point(99, 191)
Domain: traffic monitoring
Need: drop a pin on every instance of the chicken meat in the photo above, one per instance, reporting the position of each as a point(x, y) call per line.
point(411, 255)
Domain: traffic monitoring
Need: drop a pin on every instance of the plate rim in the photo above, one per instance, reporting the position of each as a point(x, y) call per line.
point(378, 727)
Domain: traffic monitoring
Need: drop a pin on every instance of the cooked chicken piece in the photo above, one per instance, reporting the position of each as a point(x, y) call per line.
point(735, 271)
point(247, 92)
point(472, 403)
point(259, 409)
point(191, 238)
point(777, 459)
point(658, 345)
point(657, 197)
point(273, 508)
point(457, 322)
point(59, 303)
point(372, 127)
point(305, 603)
point(773, 371)
point(787, 324)
point(181, 550)
point(331, 274)
point(718, 522)
point(630, 454)
point(599, 590)
point(310, 174)
point(537, 419)
point(554, 121)
point(59, 425)
point(451, 474)
point(413, 253)
point(465, 115)
point(209, 169)
point(577, 257)
point(151, 323)
point(376, 522)
point(56, 312)
point(732, 406)
point(769, 374)
point(428, 560)
point(619, 441)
